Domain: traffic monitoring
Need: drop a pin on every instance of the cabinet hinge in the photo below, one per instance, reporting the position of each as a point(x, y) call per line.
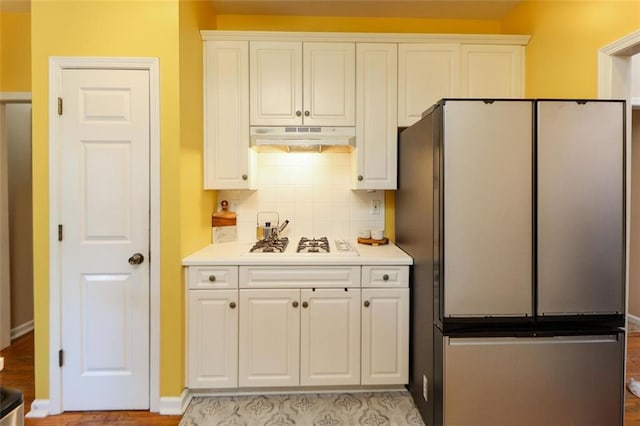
point(60, 358)
point(59, 232)
point(59, 106)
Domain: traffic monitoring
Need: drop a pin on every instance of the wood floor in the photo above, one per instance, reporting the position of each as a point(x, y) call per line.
point(18, 373)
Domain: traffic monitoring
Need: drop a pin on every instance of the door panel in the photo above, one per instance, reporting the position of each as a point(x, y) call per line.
point(275, 73)
point(330, 337)
point(269, 338)
point(488, 208)
point(385, 336)
point(105, 217)
point(580, 207)
point(212, 341)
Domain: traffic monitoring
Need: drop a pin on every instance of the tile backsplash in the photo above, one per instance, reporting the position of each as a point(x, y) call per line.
point(312, 191)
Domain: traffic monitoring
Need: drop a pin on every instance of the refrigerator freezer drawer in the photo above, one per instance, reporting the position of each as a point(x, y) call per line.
point(533, 381)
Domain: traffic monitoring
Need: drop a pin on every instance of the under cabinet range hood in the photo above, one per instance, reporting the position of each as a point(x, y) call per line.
point(303, 139)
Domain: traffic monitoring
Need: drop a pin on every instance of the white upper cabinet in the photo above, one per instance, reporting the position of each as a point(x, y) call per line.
point(376, 125)
point(492, 71)
point(427, 72)
point(294, 83)
point(226, 116)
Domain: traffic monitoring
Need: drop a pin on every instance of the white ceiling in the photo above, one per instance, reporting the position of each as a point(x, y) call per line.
point(438, 9)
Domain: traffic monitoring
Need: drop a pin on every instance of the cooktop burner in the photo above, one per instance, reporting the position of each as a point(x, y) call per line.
point(278, 245)
point(313, 245)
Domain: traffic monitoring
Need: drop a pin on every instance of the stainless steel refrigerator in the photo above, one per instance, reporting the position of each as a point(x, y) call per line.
point(514, 214)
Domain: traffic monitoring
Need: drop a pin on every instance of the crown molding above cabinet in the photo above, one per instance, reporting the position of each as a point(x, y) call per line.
point(506, 39)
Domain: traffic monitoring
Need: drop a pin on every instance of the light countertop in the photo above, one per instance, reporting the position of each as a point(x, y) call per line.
point(237, 253)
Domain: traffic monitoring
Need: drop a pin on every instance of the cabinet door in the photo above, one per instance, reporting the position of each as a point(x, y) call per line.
point(276, 83)
point(212, 339)
point(494, 71)
point(269, 338)
point(385, 336)
point(330, 337)
point(426, 73)
point(329, 84)
point(226, 115)
point(376, 130)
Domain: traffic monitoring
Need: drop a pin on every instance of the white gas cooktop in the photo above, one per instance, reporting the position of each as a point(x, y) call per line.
point(303, 246)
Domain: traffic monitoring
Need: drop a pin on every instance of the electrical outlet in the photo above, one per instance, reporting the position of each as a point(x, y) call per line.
point(375, 207)
point(424, 387)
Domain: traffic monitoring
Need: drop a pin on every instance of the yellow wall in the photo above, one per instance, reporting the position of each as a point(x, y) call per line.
point(15, 52)
point(562, 56)
point(196, 204)
point(110, 28)
point(344, 24)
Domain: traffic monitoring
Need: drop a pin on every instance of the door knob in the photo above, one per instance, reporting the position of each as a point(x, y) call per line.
point(136, 259)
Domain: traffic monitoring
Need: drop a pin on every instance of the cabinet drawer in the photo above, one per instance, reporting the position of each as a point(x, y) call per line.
point(299, 276)
point(212, 277)
point(385, 276)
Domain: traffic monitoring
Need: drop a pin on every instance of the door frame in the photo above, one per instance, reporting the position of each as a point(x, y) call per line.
point(614, 82)
point(56, 67)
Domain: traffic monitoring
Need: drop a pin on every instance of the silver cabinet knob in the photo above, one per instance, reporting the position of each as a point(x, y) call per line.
point(136, 259)
point(360, 177)
point(232, 305)
point(298, 113)
point(245, 177)
point(366, 303)
point(212, 278)
point(295, 304)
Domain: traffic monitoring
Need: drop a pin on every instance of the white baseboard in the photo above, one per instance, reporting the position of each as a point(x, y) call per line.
point(174, 405)
point(634, 319)
point(21, 330)
point(39, 408)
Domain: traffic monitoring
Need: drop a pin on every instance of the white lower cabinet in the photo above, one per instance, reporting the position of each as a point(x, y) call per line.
point(291, 337)
point(311, 331)
point(330, 337)
point(269, 337)
point(212, 338)
point(385, 336)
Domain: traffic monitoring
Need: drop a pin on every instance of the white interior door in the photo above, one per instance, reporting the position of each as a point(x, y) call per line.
point(104, 199)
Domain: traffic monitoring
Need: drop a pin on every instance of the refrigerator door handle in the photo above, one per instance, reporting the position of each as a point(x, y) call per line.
point(484, 341)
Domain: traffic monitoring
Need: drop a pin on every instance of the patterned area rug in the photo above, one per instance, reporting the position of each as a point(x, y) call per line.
point(319, 409)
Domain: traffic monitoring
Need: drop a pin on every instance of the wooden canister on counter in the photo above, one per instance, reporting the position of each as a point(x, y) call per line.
point(223, 224)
